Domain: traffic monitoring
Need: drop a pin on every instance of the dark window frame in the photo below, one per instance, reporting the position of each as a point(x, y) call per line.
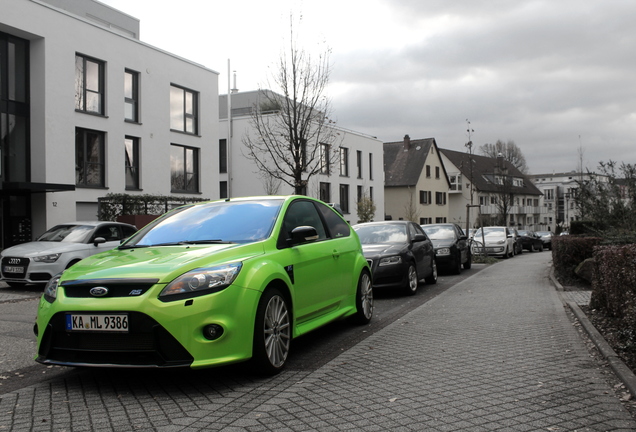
point(133, 100)
point(344, 198)
point(83, 165)
point(195, 182)
point(184, 106)
point(132, 167)
point(81, 91)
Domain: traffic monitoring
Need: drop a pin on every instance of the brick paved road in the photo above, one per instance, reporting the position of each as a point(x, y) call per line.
point(494, 353)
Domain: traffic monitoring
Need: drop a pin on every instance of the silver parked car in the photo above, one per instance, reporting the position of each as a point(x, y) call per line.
point(59, 248)
point(498, 241)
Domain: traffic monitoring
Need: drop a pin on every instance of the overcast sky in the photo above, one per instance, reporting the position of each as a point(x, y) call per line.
point(554, 76)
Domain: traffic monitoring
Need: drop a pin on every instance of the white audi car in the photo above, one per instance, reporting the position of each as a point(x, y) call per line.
point(59, 248)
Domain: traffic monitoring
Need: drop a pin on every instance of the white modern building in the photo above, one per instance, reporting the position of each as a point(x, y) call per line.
point(357, 171)
point(87, 109)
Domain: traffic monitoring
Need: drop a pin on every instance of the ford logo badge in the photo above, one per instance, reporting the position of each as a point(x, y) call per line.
point(99, 291)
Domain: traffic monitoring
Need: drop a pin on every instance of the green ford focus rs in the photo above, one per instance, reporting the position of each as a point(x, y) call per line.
point(208, 284)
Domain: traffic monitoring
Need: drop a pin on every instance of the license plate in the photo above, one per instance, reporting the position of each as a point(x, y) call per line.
point(97, 323)
point(12, 269)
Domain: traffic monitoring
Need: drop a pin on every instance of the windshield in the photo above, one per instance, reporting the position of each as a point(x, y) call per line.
point(67, 234)
point(523, 233)
point(378, 234)
point(491, 232)
point(441, 232)
point(215, 222)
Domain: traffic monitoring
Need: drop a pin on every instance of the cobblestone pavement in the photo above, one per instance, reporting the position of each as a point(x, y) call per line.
point(496, 352)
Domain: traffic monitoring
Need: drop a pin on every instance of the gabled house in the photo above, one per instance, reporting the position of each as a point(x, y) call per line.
point(416, 184)
point(484, 190)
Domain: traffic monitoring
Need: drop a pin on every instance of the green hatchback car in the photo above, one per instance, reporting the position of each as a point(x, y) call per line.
point(208, 284)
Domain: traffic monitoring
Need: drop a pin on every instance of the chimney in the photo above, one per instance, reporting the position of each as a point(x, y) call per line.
point(407, 142)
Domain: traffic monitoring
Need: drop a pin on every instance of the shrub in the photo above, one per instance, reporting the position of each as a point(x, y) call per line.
point(614, 285)
point(113, 205)
point(568, 251)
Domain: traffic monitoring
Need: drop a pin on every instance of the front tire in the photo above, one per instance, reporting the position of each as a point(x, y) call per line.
point(272, 333)
point(469, 262)
point(457, 264)
point(364, 299)
point(412, 280)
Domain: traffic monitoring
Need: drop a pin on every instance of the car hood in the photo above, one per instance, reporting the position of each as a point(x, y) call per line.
point(160, 262)
point(43, 247)
point(374, 250)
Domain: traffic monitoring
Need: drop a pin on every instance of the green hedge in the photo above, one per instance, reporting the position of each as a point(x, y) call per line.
point(614, 289)
point(569, 251)
point(113, 205)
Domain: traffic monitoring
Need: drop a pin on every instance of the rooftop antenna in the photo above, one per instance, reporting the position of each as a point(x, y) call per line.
point(234, 89)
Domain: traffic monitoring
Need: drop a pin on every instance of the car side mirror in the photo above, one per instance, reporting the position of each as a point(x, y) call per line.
point(419, 238)
point(303, 234)
point(463, 237)
point(99, 240)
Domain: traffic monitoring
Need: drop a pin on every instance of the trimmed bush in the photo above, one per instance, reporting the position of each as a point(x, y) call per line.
point(569, 251)
point(114, 205)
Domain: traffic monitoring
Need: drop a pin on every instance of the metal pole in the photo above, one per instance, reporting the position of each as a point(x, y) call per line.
point(229, 132)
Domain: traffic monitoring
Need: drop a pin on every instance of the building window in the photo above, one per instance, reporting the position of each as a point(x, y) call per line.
point(370, 166)
point(325, 192)
point(344, 161)
point(89, 85)
point(344, 198)
point(183, 110)
point(132, 162)
point(223, 189)
point(428, 171)
point(223, 156)
point(360, 193)
point(483, 200)
point(455, 182)
point(440, 220)
point(324, 159)
point(425, 197)
point(440, 198)
point(131, 96)
point(436, 172)
point(426, 220)
point(359, 163)
point(89, 158)
point(184, 169)
point(371, 193)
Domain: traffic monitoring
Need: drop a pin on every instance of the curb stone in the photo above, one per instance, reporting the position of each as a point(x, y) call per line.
point(618, 366)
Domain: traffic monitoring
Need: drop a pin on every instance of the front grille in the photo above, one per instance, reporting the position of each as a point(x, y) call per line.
point(15, 263)
point(147, 344)
point(116, 287)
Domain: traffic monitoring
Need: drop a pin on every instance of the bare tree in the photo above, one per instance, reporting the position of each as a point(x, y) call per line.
point(510, 151)
point(293, 135)
point(411, 212)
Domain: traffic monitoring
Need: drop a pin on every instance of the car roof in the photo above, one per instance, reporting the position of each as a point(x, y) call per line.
point(92, 223)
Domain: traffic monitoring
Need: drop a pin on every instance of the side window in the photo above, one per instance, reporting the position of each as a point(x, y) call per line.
point(412, 231)
point(128, 231)
point(110, 233)
point(335, 224)
point(301, 213)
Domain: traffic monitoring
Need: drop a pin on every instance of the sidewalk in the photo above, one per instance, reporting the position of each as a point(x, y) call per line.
point(496, 352)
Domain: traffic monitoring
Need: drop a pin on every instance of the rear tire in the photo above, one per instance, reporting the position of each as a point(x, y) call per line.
point(272, 333)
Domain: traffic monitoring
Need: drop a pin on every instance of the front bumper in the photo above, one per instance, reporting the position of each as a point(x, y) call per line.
point(160, 334)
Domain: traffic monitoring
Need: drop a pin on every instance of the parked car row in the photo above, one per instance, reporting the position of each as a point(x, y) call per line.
point(507, 242)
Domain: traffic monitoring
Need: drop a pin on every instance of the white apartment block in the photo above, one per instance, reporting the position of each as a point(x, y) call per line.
point(358, 170)
point(88, 109)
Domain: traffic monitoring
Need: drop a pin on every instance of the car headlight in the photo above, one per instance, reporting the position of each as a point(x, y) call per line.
point(501, 241)
point(443, 251)
point(50, 258)
point(201, 281)
point(50, 291)
point(390, 260)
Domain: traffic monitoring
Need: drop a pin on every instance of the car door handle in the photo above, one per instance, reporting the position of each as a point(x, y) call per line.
point(335, 254)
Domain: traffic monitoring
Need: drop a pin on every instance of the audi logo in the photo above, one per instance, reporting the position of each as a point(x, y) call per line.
point(14, 260)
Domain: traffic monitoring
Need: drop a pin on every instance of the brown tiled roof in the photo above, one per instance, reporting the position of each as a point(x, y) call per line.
point(483, 169)
point(403, 167)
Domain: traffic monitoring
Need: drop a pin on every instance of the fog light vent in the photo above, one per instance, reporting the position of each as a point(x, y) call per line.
point(212, 331)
